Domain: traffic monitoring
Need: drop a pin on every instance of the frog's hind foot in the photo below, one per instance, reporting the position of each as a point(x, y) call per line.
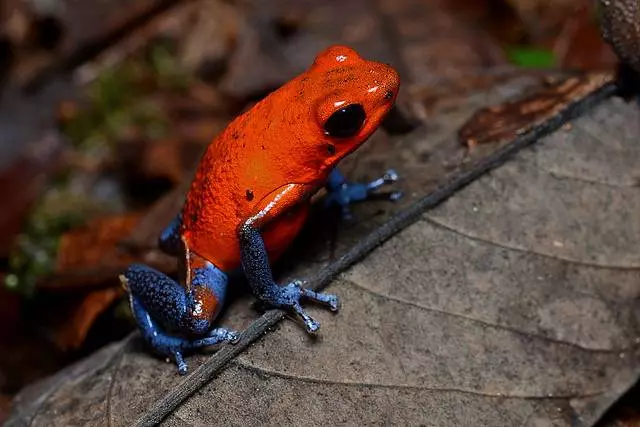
point(255, 263)
point(174, 347)
point(160, 304)
point(344, 193)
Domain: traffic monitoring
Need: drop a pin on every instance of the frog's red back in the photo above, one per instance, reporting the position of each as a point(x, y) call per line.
point(280, 141)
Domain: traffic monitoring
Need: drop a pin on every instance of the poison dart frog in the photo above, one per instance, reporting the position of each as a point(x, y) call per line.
point(250, 197)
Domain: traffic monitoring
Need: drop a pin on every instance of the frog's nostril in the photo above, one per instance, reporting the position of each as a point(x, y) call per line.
point(388, 94)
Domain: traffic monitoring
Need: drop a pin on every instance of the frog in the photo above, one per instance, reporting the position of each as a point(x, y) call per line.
point(250, 196)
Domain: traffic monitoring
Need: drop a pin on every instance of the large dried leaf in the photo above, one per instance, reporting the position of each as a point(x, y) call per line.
point(464, 317)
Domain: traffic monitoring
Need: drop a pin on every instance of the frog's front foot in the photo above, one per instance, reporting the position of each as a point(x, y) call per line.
point(289, 297)
point(255, 263)
point(344, 193)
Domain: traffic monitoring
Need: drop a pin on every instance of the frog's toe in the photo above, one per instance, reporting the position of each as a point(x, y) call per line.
point(343, 193)
point(389, 177)
point(394, 196)
point(289, 297)
point(216, 336)
point(312, 325)
point(182, 365)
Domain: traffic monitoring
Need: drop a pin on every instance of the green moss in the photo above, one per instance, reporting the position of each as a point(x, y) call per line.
point(35, 250)
point(119, 99)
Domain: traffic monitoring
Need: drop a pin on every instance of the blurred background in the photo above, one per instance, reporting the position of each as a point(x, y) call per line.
point(105, 107)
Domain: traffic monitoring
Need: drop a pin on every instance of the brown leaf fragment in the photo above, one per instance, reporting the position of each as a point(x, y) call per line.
point(447, 93)
point(73, 328)
point(90, 256)
point(504, 122)
point(94, 243)
point(579, 45)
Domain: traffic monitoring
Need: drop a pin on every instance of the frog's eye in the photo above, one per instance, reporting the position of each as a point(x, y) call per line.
point(346, 122)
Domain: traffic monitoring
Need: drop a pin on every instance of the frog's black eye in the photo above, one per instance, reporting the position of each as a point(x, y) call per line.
point(346, 122)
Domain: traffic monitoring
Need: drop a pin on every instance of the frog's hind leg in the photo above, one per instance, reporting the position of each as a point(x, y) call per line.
point(343, 193)
point(169, 241)
point(174, 318)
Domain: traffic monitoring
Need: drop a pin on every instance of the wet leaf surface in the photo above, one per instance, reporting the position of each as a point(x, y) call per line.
point(438, 325)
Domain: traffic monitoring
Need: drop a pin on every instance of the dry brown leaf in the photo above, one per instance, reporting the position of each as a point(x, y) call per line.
point(72, 329)
point(504, 122)
point(94, 244)
point(437, 326)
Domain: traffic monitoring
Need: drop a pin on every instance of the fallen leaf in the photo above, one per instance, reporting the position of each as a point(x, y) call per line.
point(74, 325)
point(504, 122)
point(579, 44)
point(89, 256)
point(436, 326)
point(94, 243)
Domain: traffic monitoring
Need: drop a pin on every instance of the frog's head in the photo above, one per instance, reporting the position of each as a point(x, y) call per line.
point(354, 97)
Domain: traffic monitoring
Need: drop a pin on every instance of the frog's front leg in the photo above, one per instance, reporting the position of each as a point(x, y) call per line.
point(343, 193)
point(175, 318)
point(255, 263)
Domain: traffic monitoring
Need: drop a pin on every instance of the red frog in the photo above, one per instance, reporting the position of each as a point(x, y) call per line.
point(251, 195)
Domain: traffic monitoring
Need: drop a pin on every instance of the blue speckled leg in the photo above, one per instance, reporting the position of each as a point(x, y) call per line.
point(344, 193)
point(162, 307)
point(255, 264)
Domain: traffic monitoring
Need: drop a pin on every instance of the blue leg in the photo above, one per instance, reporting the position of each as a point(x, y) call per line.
point(169, 240)
point(344, 193)
point(173, 320)
point(255, 264)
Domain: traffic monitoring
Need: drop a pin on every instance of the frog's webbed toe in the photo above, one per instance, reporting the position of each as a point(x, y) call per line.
point(289, 298)
point(344, 193)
